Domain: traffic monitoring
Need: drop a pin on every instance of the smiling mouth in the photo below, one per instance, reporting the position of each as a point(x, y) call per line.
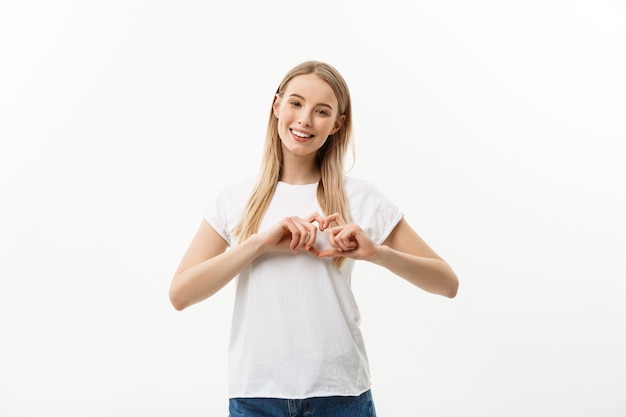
point(301, 134)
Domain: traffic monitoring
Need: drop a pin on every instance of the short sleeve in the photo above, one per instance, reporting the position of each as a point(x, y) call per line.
point(224, 209)
point(216, 214)
point(371, 209)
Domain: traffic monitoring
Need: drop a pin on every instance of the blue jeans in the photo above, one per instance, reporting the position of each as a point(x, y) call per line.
point(360, 406)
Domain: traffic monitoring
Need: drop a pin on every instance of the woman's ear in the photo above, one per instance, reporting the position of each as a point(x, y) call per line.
point(276, 105)
point(338, 123)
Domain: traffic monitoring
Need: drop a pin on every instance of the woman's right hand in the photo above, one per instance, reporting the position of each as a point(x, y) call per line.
point(292, 233)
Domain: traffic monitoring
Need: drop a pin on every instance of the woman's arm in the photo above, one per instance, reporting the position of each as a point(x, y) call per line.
point(207, 266)
point(404, 253)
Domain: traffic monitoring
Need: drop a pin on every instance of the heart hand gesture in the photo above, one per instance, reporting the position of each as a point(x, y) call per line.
point(346, 239)
point(296, 233)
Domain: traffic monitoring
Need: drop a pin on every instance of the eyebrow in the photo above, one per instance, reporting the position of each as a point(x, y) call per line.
point(318, 104)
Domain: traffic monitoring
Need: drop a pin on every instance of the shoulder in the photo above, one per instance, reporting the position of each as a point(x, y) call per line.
point(237, 187)
point(231, 194)
point(364, 196)
point(226, 203)
point(239, 184)
point(359, 188)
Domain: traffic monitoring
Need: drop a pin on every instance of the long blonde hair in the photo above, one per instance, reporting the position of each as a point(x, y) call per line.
point(331, 193)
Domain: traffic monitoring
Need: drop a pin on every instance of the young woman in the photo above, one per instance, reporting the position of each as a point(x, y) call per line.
point(291, 238)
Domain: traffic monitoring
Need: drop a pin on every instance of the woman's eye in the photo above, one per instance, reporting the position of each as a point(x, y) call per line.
point(323, 112)
point(295, 103)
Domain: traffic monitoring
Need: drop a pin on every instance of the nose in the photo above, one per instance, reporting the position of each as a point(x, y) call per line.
point(305, 118)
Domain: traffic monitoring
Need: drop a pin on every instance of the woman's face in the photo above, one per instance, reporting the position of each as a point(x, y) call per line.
point(307, 114)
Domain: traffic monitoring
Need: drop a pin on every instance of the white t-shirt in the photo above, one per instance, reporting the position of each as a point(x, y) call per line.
point(295, 326)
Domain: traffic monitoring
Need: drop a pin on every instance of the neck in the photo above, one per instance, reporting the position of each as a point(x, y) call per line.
point(299, 171)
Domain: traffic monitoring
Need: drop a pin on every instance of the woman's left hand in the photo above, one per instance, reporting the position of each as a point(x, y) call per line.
point(347, 240)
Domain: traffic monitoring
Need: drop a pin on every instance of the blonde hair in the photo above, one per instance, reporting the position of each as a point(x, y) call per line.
point(331, 193)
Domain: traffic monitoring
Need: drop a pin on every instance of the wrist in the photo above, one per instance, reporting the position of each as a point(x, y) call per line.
point(257, 244)
point(380, 252)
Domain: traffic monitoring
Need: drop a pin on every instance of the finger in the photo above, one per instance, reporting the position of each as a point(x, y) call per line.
point(316, 217)
point(313, 250)
point(344, 243)
point(328, 253)
point(332, 238)
point(310, 231)
point(345, 239)
point(303, 235)
point(298, 234)
point(335, 217)
point(311, 237)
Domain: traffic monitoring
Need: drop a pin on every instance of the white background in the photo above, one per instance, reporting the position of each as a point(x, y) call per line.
point(496, 126)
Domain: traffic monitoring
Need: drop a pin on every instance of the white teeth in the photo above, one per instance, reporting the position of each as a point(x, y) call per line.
point(300, 134)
